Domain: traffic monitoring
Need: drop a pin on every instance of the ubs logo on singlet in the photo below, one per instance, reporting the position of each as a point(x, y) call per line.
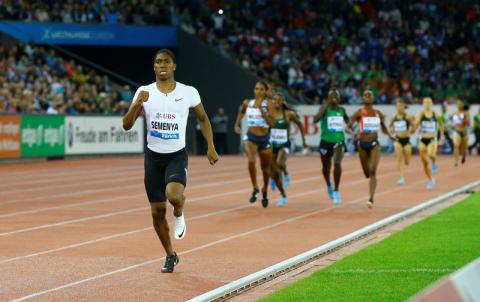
point(165, 116)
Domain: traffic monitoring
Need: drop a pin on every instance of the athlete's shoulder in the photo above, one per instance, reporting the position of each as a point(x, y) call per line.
point(185, 87)
point(148, 87)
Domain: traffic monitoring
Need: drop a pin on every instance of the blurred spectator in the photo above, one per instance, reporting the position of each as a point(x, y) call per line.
point(220, 130)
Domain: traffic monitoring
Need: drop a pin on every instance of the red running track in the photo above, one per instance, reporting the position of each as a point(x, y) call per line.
point(80, 230)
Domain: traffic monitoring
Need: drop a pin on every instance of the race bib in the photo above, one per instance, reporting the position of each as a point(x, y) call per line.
point(278, 136)
point(400, 126)
point(458, 119)
point(335, 124)
point(164, 126)
point(371, 124)
point(428, 126)
point(255, 118)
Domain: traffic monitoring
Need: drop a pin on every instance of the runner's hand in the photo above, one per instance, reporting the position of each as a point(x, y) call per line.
point(237, 129)
point(212, 156)
point(142, 97)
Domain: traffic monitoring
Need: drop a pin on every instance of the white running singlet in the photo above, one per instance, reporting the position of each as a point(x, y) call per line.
point(166, 116)
point(254, 115)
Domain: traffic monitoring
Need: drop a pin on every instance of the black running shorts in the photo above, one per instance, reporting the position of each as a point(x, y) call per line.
point(327, 148)
point(162, 169)
point(263, 141)
point(368, 146)
point(403, 141)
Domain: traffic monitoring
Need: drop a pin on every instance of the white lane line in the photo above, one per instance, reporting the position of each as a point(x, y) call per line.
point(391, 270)
point(207, 197)
point(59, 171)
point(33, 176)
point(347, 184)
point(216, 213)
point(45, 226)
point(71, 205)
point(80, 193)
point(145, 263)
point(135, 196)
point(200, 176)
point(84, 168)
point(139, 175)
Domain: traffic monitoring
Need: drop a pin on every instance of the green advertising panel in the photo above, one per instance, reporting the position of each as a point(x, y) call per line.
point(42, 135)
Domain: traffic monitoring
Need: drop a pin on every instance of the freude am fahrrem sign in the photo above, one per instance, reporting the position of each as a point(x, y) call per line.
point(102, 135)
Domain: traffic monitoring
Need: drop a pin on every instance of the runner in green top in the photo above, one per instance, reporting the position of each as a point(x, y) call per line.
point(279, 137)
point(332, 119)
point(446, 126)
point(476, 131)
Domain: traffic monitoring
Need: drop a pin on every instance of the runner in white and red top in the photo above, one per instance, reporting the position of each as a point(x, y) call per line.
point(370, 121)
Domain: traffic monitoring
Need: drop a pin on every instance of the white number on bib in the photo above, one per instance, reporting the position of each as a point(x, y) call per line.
point(400, 126)
point(371, 124)
point(335, 123)
point(428, 126)
point(278, 136)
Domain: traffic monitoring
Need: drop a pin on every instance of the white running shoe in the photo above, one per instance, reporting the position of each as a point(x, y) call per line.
point(179, 227)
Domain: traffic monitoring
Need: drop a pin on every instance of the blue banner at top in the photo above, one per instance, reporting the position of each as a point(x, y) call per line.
point(81, 34)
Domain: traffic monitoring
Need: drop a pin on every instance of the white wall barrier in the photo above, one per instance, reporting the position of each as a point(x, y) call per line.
point(102, 135)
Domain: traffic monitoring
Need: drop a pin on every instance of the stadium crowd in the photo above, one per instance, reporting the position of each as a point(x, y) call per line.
point(406, 49)
point(34, 79)
point(402, 49)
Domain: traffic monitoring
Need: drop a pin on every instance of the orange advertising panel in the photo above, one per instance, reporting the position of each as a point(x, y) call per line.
point(9, 136)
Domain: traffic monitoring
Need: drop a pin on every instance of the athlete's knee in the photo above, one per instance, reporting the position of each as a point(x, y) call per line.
point(372, 171)
point(337, 166)
point(174, 196)
point(159, 210)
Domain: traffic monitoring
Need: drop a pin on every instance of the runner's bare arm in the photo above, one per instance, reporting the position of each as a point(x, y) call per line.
point(353, 119)
point(441, 127)
point(240, 116)
point(411, 120)
point(134, 111)
point(321, 111)
point(267, 114)
point(292, 116)
point(391, 123)
point(384, 127)
point(416, 123)
point(206, 128)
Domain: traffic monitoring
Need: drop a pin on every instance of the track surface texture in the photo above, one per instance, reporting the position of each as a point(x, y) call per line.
point(80, 230)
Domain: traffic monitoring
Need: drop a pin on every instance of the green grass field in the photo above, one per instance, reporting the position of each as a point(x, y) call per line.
point(400, 266)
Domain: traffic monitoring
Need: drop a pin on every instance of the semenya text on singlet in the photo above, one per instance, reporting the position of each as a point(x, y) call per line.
point(164, 126)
